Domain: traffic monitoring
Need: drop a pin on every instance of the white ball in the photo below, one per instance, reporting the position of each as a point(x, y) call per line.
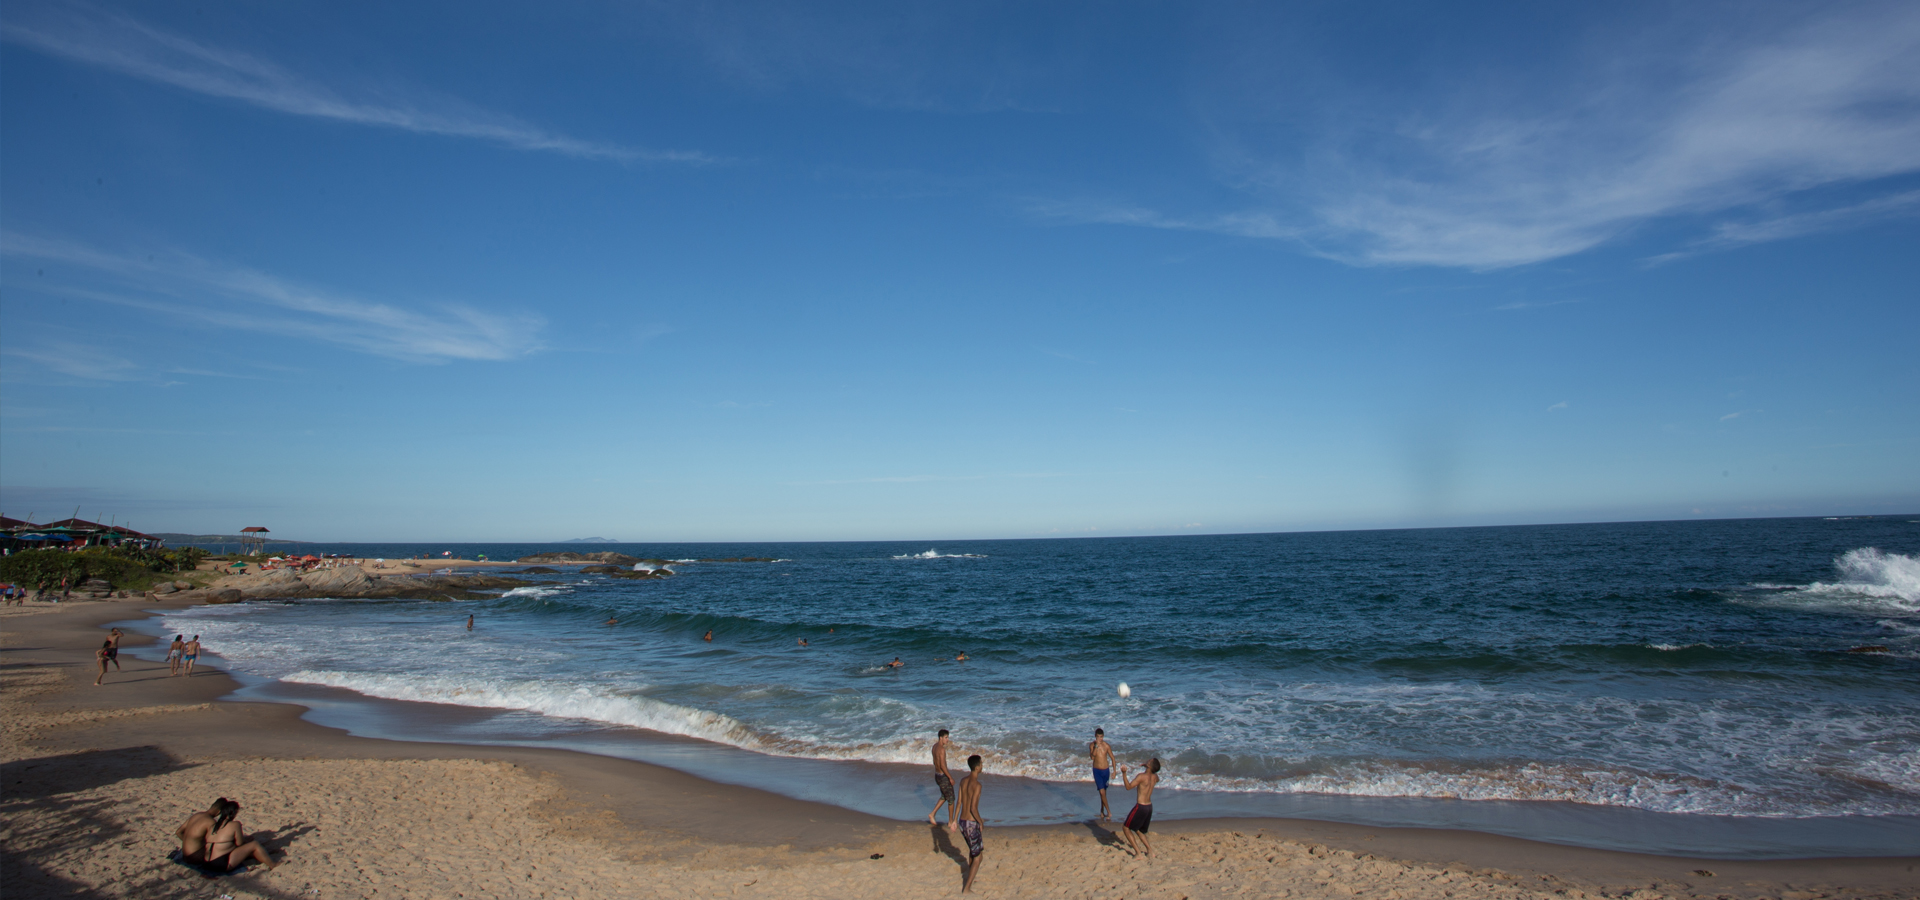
point(1125, 691)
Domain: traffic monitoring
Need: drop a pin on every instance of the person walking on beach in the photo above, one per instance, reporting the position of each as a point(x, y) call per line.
point(102, 655)
point(1102, 754)
point(176, 650)
point(970, 821)
point(192, 653)
point(944, 781)
point(1141, 818)
point(113, 648)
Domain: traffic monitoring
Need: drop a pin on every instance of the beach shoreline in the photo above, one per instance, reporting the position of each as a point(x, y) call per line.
point(145, 729)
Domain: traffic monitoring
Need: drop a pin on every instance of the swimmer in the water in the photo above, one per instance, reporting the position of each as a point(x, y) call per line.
point(611, 621)
point(962, 657)
point(709, 637)
point(803, 642)
point(896, 663)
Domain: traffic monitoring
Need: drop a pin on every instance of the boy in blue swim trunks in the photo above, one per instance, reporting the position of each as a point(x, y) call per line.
point(1102, 768)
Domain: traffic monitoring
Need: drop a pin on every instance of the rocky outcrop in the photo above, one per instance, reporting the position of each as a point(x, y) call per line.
point(623, 572)
point(354, 582)
point(605, 557)
point(533, 570)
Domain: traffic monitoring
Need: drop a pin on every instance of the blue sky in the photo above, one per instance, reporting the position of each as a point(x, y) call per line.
point(673, 271)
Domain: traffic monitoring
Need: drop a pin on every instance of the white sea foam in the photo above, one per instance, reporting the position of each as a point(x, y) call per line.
point(1672, 647)
point(535, 592)
point(1871, 581)
point(559, 700)
point(935, 554)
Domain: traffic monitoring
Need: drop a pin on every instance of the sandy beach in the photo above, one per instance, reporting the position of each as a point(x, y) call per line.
point(97, 778)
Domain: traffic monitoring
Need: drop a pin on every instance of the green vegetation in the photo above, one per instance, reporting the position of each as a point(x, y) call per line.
point(124, 568)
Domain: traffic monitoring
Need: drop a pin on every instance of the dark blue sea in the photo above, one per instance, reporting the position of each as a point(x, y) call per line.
point(1733, 688)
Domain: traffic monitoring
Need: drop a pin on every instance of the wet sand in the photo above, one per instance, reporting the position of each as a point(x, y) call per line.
point(96, 779)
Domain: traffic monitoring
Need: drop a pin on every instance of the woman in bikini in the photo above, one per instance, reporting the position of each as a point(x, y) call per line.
point(103, 655)
point(175, 651)
point(227, 845)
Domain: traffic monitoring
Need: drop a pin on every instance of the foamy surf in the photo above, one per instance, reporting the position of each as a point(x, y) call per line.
point(935, 554)
point(1871, 581)
point(561, 701)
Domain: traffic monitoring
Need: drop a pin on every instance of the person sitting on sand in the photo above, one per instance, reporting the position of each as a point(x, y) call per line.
point(102, 655)
point(1142, 815)
point(194, 831)
point(175, 651)
point(191, 655)
point(223, 845)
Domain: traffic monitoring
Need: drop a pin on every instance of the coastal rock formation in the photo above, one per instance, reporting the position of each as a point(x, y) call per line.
point(533, 570)
point(606, 557)
point(356, 583)
point(625, 572)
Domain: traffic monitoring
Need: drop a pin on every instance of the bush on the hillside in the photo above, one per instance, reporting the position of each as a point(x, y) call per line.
point(123, 568)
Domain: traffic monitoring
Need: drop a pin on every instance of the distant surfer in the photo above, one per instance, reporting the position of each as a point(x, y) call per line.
point(1141, 818)
point(1102, 754)
point(944, 781)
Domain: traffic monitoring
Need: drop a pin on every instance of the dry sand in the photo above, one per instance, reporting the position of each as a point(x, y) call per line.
point(96, 779)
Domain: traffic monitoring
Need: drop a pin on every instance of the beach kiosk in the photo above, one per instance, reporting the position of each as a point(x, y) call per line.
point(253, 541)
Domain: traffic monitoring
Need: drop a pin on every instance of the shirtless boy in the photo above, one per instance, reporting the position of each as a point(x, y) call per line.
point(944, 780)
point(191, 655)
point(113, 648)
point(970, 821)
point(1102, 754)
point(1142, 816)
point(215, 840)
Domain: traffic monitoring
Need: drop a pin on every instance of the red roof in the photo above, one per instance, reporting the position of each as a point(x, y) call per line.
point(253, 529)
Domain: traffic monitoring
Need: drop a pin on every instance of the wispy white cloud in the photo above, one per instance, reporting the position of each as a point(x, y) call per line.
point(242, 298)
point(1531, 304)
point(78, 361)
point(1734, 415)
point(918, 479)
point(113, 41)
point(1561, 405)
point(1461, 182)
point(1095, 212)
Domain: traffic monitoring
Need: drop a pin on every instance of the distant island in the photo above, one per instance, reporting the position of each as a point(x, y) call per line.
point(591, 540)
point(176, 538)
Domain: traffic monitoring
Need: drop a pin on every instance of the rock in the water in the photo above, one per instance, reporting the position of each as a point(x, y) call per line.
point(1869, 648)
point(533, 570)
point(226, 595)
point(606, 557)
point(601, 570)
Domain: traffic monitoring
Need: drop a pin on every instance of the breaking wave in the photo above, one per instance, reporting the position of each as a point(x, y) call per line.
point(1871, 581)
point(935, 554)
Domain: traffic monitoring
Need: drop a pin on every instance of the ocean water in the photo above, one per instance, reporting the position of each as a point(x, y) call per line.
point(1688, 672)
